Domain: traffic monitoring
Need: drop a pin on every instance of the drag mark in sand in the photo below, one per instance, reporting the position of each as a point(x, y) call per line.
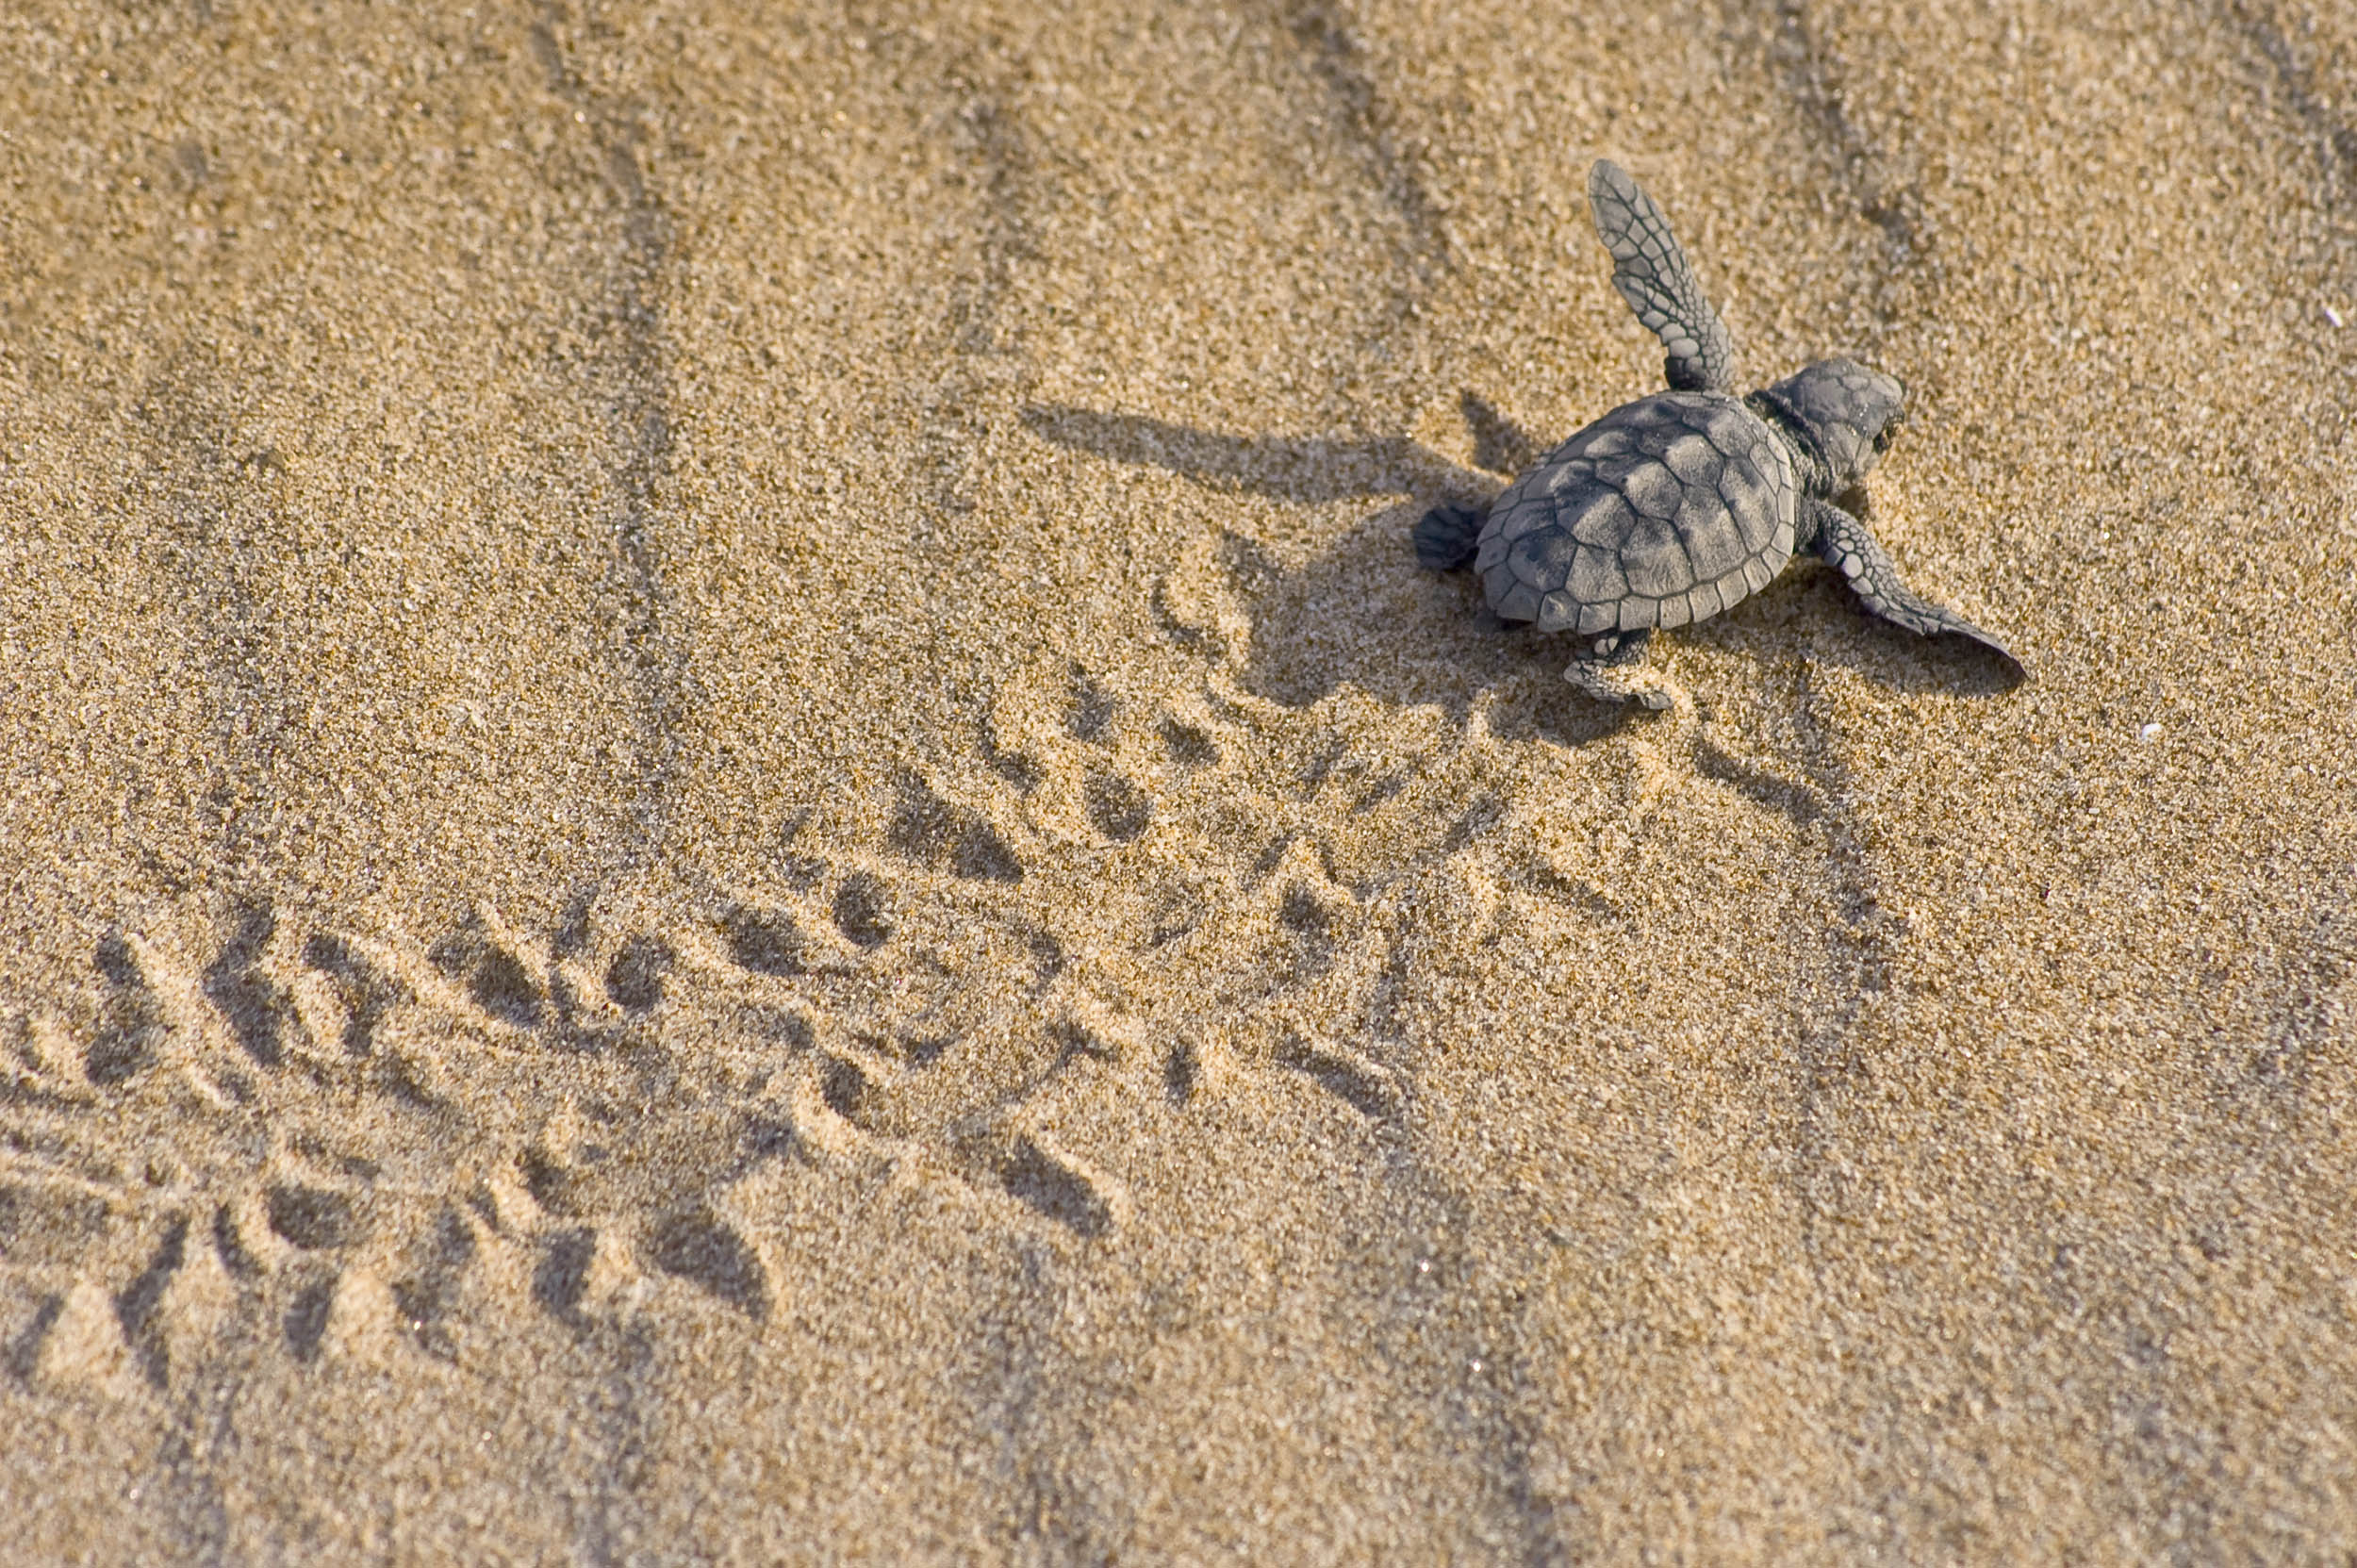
point(193, 1448)
point(1033, 1393)
point(848, 1022)
point(1337, 58)
point(1851, 971)
point(2337, 142)
point(223, 516)
point(130, 1030)
point(965, 95)
point(136, 1303)
point(630, 377)
point(1813, 80)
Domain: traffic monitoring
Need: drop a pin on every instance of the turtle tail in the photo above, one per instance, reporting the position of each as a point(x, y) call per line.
point(1446, 537)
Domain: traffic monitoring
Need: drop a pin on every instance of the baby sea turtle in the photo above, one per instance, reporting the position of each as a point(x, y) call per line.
point(1675, 507)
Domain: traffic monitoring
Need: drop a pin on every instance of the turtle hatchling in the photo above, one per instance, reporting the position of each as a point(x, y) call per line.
point(1675, 507)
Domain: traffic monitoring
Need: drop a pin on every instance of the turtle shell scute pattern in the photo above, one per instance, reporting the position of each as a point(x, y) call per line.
point(1666, 510)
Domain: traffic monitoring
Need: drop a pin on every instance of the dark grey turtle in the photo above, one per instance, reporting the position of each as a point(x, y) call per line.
point(1677, 505)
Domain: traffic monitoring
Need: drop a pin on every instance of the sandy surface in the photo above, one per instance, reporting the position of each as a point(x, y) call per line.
point(734, 829)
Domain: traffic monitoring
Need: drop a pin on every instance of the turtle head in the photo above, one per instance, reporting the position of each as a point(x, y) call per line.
point(1849, 411)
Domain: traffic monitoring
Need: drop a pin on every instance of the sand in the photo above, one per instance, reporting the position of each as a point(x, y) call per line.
point(734, 831)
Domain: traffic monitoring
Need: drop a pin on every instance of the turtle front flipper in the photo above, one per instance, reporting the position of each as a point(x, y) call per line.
point(1653, 275)
point(1849, 549)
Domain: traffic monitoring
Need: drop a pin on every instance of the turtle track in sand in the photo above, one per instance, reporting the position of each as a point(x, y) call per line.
point(900, 1004)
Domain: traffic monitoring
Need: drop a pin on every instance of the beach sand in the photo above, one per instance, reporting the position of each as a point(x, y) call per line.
point(734, 829)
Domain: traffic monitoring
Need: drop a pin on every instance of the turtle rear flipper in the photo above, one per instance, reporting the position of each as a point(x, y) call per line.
point(1617, 674)
point(1851, 549)
point(1446, 537)
point(1653, 275)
